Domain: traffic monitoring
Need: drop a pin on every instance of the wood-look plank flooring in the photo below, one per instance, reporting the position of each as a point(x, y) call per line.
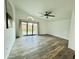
point(69, 54)
point(38, 47)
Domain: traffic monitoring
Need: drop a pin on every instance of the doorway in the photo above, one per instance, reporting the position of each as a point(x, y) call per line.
point(29, 28)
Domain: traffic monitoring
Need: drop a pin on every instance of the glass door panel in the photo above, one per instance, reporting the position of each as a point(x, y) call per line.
point(24, 28)
point(35, 28)
point(29, 28)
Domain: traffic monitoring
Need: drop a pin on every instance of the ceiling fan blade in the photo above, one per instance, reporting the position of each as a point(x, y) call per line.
point(49, 12)
point(51, 15)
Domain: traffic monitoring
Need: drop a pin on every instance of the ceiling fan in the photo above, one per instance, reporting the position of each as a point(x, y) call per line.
point(48, 14)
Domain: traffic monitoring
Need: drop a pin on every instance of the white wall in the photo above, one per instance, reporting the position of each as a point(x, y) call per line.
point(9, 39)
point(9, 36)
point(72, 32)
point(59, 28)
point(20, 14)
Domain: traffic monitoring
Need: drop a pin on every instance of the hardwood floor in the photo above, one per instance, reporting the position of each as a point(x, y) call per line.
point(38, 47)
point(69, 54)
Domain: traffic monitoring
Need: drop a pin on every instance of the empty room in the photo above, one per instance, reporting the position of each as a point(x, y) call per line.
point(39, 29)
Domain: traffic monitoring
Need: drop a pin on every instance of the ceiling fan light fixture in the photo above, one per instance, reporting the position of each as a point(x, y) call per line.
point(48, 14)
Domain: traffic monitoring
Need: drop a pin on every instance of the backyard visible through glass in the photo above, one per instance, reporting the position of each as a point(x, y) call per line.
point(24, 28)
point(29, 28)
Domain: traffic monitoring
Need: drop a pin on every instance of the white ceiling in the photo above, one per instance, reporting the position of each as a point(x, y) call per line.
point(62, 8)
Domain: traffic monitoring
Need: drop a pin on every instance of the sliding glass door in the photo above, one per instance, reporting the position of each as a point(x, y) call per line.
point(29, 28)
point(35, 28)
point(23, 26)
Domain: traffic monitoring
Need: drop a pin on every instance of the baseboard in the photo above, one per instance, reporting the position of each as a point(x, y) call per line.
point(56, 36)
